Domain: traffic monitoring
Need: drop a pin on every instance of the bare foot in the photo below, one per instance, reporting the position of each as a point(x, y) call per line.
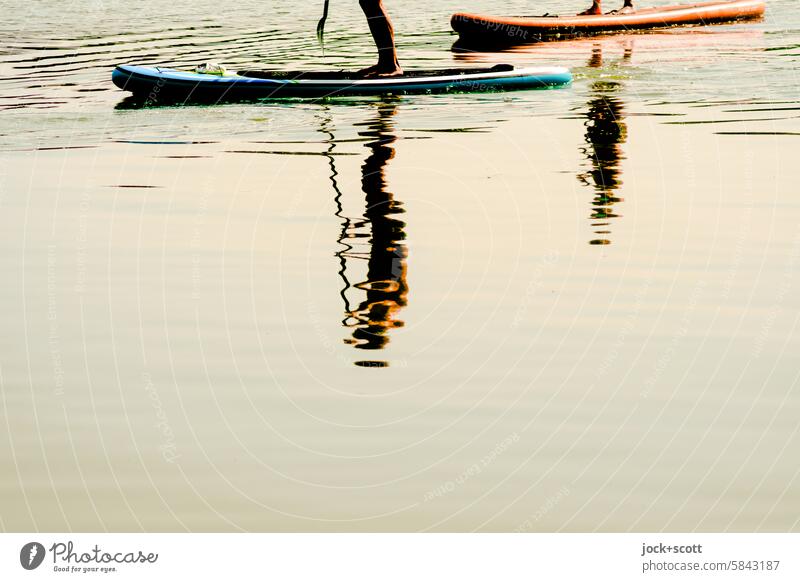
point(594, 10)
point(380, 70)
point(627, 9)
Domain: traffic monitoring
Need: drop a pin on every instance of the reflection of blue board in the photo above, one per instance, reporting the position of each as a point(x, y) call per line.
point(158, 82)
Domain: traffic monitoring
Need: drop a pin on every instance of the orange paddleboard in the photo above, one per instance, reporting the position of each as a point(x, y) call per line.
point(511, 30)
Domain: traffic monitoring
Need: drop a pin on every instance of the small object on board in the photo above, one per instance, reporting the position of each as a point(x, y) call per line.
point(210, 69)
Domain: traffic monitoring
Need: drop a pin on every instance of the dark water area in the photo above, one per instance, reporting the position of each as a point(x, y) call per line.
point(559, 310)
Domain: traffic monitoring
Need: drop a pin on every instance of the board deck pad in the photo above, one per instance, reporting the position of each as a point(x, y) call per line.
point(160, 84)
point(353, 75)
point(514, 30)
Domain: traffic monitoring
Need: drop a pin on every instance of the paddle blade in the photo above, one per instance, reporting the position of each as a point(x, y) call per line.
point(321, 26)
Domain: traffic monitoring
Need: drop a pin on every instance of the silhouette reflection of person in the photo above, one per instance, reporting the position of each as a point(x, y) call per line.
point(385, 288)
point(605, 132)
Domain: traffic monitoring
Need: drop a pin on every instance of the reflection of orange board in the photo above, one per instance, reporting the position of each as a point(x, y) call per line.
point(510, 30)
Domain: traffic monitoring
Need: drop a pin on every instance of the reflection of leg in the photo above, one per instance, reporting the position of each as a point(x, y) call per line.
point(605, 132)
point(626, 56)
point(596, 60)
point(383, 34)
point(595, 9)
point(385, 284)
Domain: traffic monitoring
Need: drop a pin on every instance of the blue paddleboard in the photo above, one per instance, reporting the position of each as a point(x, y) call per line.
point(159, 82)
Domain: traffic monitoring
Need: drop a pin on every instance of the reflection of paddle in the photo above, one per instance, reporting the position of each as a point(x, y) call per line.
point(347, 223)
point(321, 26)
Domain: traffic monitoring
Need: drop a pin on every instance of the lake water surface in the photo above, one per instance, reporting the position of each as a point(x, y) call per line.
point(561, 310)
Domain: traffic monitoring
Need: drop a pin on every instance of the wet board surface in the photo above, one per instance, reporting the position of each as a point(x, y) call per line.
point(511, 30)
point(155, 83)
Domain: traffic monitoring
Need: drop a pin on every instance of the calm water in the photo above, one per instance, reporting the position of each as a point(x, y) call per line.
point(564, 310)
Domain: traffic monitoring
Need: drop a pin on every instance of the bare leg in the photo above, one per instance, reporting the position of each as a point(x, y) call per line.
point(627, 8)
point(595, 9)
point(383, 34)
